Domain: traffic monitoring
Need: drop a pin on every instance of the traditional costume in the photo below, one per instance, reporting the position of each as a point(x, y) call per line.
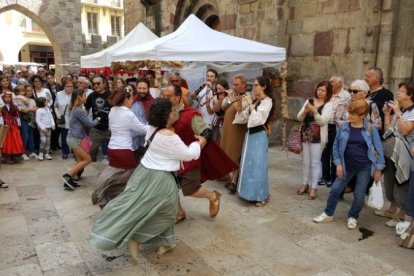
point(232, 136)
point(13, 143)
point(146, 210)
point(253, 182)
point(122, 163)
point(213, 163)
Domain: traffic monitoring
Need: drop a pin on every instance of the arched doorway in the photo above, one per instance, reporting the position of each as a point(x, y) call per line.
point(63, 32)
point(203, 9)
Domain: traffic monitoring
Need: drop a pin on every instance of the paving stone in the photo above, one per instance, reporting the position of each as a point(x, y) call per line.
point(49, 230)
point(10, 209)
point(53, 255)
point(23, 270)
point(31, 190)
point(13, 226)
point(16, 251)
point(8, 195)
point(97, 261)
point(80, 269)
point(141, 269)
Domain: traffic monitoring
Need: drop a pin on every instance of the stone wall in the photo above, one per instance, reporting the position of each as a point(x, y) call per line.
point(322, 37)
point(64, 32)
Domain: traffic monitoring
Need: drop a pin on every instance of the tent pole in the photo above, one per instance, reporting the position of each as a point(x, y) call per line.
point(284, 102)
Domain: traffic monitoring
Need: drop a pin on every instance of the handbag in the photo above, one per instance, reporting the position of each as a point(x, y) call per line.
point(62, 119)
point(375, 197)
point(86, 143)
point(294, 143)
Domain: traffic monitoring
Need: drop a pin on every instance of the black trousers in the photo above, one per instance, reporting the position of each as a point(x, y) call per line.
point(328, 166)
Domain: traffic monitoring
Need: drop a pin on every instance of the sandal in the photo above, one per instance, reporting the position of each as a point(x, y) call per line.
point(312, 194)
point(385, 214)
point(262, 203)
point(304, 189)
point(3, 184)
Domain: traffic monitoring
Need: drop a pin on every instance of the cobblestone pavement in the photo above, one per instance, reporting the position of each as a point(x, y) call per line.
point(43, 231)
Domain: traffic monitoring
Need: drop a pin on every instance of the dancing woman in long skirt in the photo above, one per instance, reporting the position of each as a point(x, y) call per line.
point(145, 211)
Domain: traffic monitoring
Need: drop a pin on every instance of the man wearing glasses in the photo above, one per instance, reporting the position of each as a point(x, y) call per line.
point(98, 102)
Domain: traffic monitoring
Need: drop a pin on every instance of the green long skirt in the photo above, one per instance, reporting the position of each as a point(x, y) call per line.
point(145, 211)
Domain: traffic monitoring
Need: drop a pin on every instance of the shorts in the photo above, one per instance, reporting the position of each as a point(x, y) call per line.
point(190, 182)
point(73, 143)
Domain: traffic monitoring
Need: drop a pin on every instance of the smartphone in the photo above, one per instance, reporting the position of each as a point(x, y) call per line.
point(310, 101)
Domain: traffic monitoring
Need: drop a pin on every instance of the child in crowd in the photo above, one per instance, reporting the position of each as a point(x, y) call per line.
point(13, 144)
point(28, 123)
point(45, 124)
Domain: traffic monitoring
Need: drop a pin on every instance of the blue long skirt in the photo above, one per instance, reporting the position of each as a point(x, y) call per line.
point(253, 182)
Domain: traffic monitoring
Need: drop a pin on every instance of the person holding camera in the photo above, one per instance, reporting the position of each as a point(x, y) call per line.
point(315, 115)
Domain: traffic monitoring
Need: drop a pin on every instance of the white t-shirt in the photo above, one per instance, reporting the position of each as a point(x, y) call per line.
point(203, 95)
point(166, 151)
point(409, 116)
point(122, 123)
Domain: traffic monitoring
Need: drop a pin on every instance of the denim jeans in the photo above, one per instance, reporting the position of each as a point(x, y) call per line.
point(27, 136)
point(410, 197)
point(363, 175)
point(63, 136)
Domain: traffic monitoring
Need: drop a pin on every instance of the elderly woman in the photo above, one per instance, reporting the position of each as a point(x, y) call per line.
point(359, 90)
point(397, 138)
point(357, 152)
point(315, 115)
point(253, 180)
point(123, 124)
point(145, 211)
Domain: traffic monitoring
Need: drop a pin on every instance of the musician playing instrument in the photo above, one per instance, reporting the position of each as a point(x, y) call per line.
point(203, 93)
point(232, 137)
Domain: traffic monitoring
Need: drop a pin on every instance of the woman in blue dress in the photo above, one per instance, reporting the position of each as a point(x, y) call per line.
point(253, 184)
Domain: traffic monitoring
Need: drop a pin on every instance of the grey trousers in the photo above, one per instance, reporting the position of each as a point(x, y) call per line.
point(98, 137)
point(394, 192)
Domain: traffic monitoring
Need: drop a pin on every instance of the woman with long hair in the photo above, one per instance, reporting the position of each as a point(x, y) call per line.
point(315, 115)
point(253, 182)
point(78, 121)
point(145, 211)
point(215, 108)
point(123, 125)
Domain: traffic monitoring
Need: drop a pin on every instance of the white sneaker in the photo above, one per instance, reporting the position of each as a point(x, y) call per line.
point(25, 157)
point(105, 160)
point(40, 157)
point(33, 155)
point(401, 227)
point(48, 157)
point(322, 218)
point(351, 223)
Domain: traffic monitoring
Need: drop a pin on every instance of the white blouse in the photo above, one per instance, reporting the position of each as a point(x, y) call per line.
point(256, 117)
point(122, 123)
point(166, 151)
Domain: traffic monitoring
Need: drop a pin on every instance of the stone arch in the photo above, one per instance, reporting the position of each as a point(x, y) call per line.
point(64, 34)
point(1, 56)
point(204, 9)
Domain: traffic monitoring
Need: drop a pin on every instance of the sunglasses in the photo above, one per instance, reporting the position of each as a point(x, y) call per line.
point(354, 91)
point(97, 83)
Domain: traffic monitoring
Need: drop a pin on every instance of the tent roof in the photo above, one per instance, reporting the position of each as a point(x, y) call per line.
point(194, 41)
point(139, 35)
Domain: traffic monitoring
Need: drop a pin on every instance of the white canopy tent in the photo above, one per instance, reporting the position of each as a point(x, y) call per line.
point(195, 42)
point(139, 35)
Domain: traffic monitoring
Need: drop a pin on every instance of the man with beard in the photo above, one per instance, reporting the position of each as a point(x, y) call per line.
point(98, 101)
point(213, 163)
point(142, 102)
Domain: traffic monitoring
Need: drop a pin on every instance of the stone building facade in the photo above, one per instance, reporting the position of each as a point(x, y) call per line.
point(63, 32)
point(322, 37)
